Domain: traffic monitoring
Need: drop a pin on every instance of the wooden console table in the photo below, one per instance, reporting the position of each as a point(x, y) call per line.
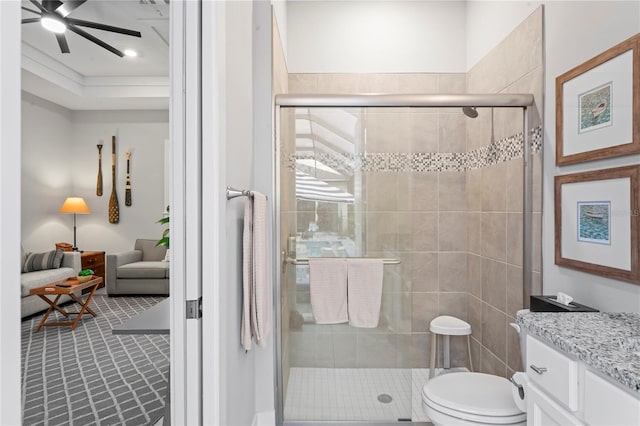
point(94, 260)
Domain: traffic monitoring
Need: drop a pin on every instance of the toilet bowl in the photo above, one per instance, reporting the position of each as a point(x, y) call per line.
point(471, 399)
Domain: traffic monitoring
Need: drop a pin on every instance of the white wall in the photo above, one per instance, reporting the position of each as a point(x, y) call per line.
point(61, 159)
point(376, 36)
point(280, 11)
point(141, 132)
point(489, 22)
point(237, 367)
point(570, 40)
point(47, 163)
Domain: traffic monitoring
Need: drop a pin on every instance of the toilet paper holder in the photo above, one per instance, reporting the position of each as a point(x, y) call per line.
point(519, 386)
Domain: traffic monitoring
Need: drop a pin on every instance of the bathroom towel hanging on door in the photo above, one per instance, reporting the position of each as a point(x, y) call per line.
point(364, 292)
point(328, 290)
point(256, 284)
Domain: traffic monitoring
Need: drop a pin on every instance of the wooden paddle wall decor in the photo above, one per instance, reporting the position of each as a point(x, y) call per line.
point(99, 183)
point(114, 209)
point(127, 186)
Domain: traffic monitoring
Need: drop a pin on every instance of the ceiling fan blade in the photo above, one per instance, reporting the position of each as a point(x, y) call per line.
point(29, 20)
point(62, 42)
point(51, 5)
point(30, 10)
point(104, 27)
point(69, 6)
point(38, 5)
point(89, 37)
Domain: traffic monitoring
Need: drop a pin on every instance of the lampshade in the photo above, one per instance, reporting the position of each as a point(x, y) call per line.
point(75, 205)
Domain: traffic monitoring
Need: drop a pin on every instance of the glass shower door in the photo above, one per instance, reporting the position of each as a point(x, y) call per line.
point(337, 372)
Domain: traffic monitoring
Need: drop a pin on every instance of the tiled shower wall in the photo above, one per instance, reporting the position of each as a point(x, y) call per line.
point(416, 216)
point(494, 201)
point(458, 233)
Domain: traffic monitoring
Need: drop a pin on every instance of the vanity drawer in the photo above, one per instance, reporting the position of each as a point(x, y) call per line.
point(553, 372)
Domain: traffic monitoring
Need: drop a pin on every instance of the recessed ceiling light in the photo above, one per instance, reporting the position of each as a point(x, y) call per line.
point(53, 24)
point(130, 53)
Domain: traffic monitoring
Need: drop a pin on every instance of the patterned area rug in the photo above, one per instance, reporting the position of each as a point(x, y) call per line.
point(89, 376)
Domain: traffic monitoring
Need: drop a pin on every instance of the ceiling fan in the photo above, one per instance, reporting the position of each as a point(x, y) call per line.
point(54, 17)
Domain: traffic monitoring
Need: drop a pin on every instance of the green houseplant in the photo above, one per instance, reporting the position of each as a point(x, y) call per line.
point(85, 275)
point(164, 241)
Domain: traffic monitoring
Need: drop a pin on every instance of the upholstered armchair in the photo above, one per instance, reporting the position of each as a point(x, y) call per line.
point(140, 271)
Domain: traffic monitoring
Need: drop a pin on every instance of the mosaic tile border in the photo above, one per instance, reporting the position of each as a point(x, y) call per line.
point(500, 151)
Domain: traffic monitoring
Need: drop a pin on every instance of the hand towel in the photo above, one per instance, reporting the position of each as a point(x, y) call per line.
point(262, 300)
point(364, 288)
point(328, 288)
point(256, 284)
point(247, 274)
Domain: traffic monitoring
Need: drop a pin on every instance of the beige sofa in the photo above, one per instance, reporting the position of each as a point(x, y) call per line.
point(139, 271)
point(31, 304)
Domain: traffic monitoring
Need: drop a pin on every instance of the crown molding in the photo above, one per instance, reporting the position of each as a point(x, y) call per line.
point(108, 87)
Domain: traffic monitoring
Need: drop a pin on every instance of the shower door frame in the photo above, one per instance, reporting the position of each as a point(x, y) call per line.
point(517, 100)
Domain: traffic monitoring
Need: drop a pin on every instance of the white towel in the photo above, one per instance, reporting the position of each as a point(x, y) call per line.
point(256, 284)
point(364, 283)
point(328, 288)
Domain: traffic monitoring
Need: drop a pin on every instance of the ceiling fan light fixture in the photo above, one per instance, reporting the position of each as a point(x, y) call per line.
point(53, 24)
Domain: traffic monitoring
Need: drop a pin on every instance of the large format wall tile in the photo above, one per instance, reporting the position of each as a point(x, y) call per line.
point(452, 232)
point(494, 323)
point(417, 191)
point(494, 235)
point(424, 310)
point(453, 272)
point(494, 283)
point(452, 191)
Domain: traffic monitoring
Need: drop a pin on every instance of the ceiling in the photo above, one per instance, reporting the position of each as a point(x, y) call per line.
point(92, 78)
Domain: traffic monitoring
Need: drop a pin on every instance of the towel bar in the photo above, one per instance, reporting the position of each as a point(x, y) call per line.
point(305, 261)
point(235, 193)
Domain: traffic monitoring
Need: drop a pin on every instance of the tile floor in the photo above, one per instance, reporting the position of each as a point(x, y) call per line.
point(351, 394)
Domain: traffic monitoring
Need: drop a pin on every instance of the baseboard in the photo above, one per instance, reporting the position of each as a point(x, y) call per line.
point(264, 418)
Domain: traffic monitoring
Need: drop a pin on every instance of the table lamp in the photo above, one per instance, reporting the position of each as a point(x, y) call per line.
point(75, 205)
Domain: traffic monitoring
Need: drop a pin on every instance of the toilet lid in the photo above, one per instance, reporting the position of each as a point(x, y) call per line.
point(473, 393)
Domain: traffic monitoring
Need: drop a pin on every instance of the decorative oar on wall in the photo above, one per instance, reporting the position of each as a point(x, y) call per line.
point(99, 183)
point(114, 209)
point(127, 186)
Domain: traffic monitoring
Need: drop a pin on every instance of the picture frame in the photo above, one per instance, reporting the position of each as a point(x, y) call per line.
point(598, 106)
point(597, 222)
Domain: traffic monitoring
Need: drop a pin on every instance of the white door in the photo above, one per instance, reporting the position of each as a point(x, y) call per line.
point(186, 211)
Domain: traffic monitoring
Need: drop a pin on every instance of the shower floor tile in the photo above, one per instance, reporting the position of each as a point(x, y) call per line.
point(352, 394)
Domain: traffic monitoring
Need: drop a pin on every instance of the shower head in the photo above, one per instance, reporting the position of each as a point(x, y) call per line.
point(470, 111)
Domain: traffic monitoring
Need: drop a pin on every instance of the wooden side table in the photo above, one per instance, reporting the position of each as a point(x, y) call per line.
point(70, 287)
point(94, 260)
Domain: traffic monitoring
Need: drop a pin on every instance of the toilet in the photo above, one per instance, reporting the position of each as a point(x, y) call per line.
point(471, 399)
point(464, 399)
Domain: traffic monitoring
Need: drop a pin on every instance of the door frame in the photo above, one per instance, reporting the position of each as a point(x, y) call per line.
point(10, 212)
point(185, 113)
point(186, 394)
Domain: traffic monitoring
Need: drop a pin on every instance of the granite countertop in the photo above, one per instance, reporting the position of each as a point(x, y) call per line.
point(607, 342)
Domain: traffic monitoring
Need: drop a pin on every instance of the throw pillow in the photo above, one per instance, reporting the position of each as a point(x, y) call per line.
point(23, 257)
point(41, 261)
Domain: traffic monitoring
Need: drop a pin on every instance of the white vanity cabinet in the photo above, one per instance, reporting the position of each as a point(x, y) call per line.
point(565, 391)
